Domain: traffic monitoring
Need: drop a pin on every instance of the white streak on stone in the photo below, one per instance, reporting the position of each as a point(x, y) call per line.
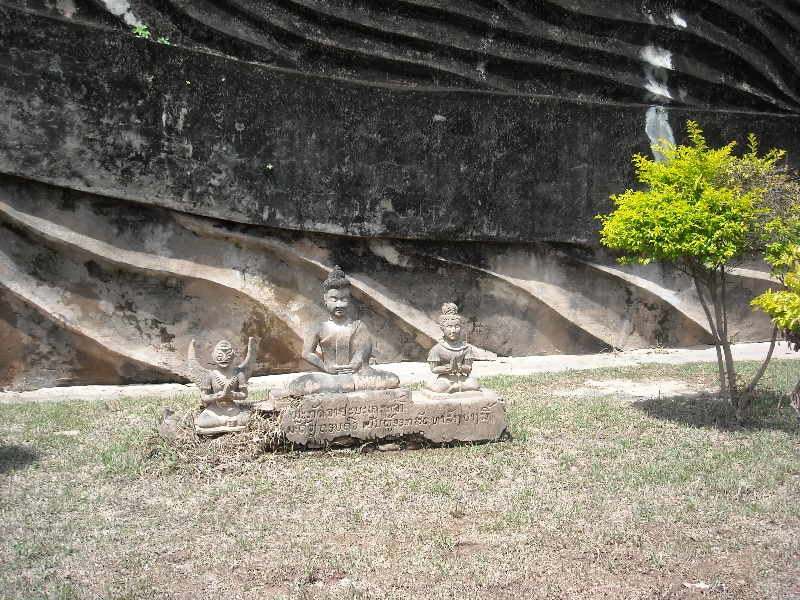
point(658, 128)
point(181, 118)
point(66, 7)
point(481, 68)
point(439, 118)
point(122, 8)
point(656, 87)
point(658, 57)
point(657, 63)
point(677, 19)
point(389, 253)
point(117, 7)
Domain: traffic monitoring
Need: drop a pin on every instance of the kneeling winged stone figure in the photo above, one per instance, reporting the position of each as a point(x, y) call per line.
point(223, 388)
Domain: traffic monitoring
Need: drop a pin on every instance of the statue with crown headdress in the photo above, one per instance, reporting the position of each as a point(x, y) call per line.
point(340, 348)
point(223, 388)
point(451, 357)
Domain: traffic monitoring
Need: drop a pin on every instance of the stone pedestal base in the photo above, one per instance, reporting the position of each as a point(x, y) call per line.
point(324, 419)
point(221, 419)
point(220, 429)
point(277, 399)
point(454, 396)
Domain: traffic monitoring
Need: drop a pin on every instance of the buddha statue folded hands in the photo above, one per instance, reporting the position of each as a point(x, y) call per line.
point(345, 348)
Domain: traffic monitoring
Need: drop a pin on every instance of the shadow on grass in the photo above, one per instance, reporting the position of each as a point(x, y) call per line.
point(14, 457)
point(769, 410)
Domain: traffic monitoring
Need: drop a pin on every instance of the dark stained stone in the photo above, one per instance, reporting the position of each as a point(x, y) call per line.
point(99, 110)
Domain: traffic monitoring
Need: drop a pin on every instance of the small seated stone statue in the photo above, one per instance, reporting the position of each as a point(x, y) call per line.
point(451, 357)
point(223, 388)
point(345, 346)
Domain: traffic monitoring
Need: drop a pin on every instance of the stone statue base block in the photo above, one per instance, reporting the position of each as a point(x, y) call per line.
point(220, 429)
point(454, 395)
point(343, 419)
point(276, 400)
point(225, 418)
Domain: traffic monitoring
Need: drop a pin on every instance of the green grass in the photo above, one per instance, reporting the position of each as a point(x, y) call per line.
point(593, 495)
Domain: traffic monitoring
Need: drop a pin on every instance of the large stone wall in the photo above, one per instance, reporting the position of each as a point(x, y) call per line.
point(436, 150)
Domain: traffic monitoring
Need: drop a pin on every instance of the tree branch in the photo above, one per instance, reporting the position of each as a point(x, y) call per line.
point(718, 298)
point(747, 392)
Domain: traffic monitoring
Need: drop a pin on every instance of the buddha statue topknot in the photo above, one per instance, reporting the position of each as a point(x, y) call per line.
point(345, 347)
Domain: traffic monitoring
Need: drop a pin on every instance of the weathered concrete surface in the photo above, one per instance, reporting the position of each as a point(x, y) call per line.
point(390, 415)
point(95, 109)
point(83, 275)
point(436, 151)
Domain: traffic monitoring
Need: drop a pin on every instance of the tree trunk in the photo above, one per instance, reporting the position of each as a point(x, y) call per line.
point(720, 312)
point(698, 284)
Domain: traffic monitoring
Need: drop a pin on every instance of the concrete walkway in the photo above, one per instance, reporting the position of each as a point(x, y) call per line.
point(411, 372)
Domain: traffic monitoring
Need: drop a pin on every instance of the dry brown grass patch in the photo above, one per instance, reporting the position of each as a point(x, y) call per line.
point(591, 498)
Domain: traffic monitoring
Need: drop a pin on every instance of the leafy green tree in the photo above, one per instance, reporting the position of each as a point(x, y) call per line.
point(784, 305)
point(705, 210)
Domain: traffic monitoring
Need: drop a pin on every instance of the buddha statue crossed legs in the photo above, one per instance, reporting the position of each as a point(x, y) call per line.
point(345, 346)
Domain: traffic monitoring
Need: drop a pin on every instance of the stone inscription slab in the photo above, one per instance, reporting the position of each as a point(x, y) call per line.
point(393, 414)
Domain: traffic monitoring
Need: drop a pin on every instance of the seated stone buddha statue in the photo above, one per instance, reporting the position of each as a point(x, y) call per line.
point(345, 347)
